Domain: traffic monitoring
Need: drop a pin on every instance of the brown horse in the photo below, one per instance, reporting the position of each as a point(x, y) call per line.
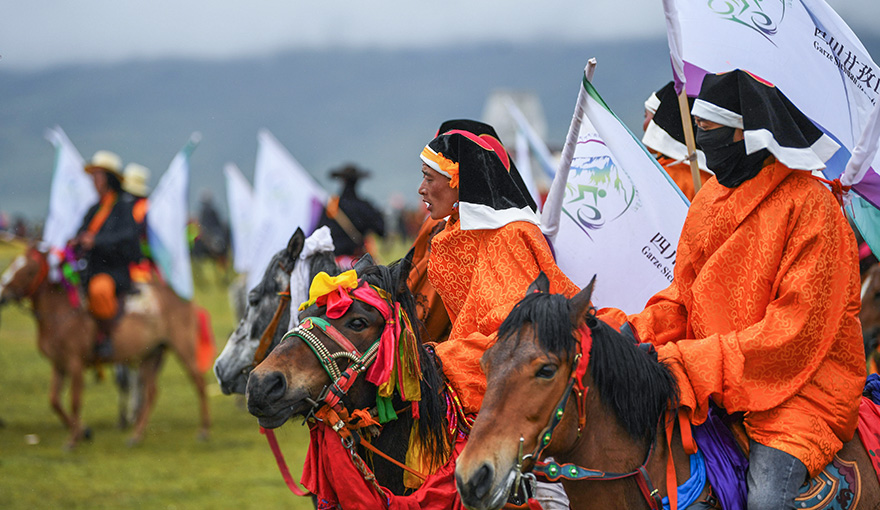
point(154, 318)
point(323, 352)
point(869, 316)
point(608, 440)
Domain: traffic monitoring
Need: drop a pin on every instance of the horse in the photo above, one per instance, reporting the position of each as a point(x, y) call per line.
point(154, 318)
point(294, 380)
point(268, 307)
point(869, 316)
point(609, 440)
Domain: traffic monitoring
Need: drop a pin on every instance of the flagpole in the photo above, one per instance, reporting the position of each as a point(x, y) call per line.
point(553, 205)
point(687, 125)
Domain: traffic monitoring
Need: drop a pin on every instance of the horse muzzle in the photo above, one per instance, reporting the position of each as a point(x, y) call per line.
point(272, 402)
point(480, 490)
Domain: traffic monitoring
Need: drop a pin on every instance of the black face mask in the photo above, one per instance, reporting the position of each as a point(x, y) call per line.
point(728, 159)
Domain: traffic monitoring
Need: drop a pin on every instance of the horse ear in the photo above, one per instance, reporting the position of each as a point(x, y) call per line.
point(580, 303)
point(541, 284)
point(295, 245)
point(363, 263)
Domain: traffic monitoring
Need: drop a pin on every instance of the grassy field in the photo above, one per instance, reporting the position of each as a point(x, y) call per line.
point(169, 470)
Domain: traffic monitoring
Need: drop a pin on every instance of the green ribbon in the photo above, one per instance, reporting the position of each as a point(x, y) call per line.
point(385, 409)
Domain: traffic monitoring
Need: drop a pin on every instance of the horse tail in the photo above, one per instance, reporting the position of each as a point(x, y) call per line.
point(205, 349)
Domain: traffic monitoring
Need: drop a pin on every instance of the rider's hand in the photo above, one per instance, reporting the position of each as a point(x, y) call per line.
point(87, 240)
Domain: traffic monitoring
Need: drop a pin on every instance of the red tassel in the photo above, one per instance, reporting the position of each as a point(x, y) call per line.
point(534, 505)
point(205, 346)
point(415, 410)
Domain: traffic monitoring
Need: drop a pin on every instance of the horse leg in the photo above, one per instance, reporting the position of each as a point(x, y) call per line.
point(55, 388)
point(198, 380)
point(149, 373)
point(76, 389)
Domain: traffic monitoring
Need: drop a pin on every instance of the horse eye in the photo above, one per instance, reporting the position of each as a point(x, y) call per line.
point(357, 324)
point(546, 371)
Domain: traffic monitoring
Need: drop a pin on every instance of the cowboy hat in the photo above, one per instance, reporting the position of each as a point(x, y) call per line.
point(105, 161)
point(349, 173)
point(135, 179)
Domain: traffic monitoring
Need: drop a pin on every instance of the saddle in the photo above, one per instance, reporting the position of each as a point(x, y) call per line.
point(725, 445)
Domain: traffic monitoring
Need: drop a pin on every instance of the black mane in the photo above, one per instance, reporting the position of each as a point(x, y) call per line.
point(633, 384)
point(432, 407)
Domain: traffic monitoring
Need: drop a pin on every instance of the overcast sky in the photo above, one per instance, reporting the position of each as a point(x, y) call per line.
point(37, 34)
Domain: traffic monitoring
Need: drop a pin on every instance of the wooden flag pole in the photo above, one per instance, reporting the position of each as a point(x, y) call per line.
point(687, 125)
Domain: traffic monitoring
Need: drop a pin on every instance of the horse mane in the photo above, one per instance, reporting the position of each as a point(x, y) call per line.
point(631, 382)
point(432, 407)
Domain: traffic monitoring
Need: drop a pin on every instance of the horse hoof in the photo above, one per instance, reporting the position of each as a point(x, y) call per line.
point(203, 436)
point(134, 441)
point(87, 433)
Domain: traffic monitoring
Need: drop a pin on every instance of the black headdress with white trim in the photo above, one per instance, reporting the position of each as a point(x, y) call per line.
point(739, 99)
point(664, 133)
point(491, 193)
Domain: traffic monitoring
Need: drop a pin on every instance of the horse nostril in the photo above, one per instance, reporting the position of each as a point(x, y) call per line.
point(275, 386)
point(481, 482)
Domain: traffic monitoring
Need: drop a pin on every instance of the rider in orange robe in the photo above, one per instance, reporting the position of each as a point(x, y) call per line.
point(490, 251)
point(664, 137)
point(762, 316)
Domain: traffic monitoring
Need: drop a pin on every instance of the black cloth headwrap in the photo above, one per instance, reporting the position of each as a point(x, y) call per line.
point(768, 119)
point(727, 158)
point(491, 192)
point(481, 128)
point(664, 133)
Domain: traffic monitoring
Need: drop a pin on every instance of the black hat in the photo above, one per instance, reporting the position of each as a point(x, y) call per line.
point(491, 191)
point(664, 133)
point(739, 99)
point(349, 172)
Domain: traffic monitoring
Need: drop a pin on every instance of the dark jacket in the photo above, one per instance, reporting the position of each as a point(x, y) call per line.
point(116, 245)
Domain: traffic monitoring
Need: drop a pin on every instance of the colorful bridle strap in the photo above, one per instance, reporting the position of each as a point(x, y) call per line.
point(554, 472)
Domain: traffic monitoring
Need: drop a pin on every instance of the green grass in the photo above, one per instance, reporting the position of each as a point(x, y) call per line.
point(169, 470)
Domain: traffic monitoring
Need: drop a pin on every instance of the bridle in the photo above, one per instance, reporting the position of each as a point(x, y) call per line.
point(554, 472)
point(38, 280)
point(342, 380)
point(329, 406)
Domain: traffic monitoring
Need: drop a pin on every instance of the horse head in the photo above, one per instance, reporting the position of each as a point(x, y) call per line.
point(350, 336)
point(293, 377)
point(265, 301)
point(554, 371)
point(24, 276)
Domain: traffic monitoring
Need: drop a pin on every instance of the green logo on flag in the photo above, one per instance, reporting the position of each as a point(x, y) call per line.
point(762, 16)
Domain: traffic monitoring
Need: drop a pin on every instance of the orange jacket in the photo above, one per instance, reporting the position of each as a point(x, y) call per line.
point(762, 316)
point(681, 175)
point(481, 275)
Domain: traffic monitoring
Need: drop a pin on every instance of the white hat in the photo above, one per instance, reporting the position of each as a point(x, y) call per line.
point(135, 179)
point(106, 161)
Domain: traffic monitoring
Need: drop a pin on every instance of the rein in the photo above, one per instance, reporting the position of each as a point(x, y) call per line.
point(41, 275)
point(554, 472)
point(266, 338)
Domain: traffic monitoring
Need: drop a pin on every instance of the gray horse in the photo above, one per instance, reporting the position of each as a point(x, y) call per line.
point(237, 359)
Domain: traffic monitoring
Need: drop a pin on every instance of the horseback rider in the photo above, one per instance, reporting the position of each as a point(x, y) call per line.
point(134, 184)
point(664, 138)
point(762, 316)
point(350, 217)
point(107, 242)
point(489, 252)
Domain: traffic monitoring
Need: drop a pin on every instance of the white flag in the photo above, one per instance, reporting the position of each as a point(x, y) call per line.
point(286, 196)
point(620, 216)
point(240, 201)
point(801, 46)
point(166, 222)
point(72, 191)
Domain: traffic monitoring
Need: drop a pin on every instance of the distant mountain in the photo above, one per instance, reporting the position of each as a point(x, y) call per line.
point(374, 108)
